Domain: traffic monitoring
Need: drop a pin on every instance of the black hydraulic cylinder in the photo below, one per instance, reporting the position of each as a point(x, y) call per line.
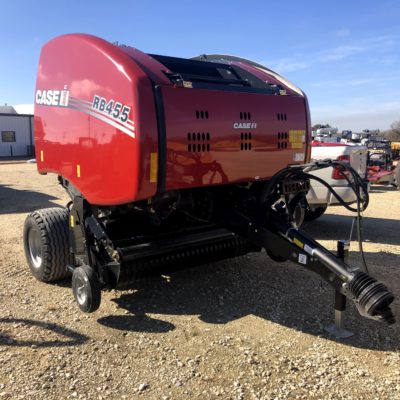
point(372, 297)
point(342, 252)
point(340, 301)
point(279, 238)
point(315, 250)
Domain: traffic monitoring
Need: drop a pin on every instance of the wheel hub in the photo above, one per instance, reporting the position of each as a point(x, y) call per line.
point(81, 294)
point(35, 248)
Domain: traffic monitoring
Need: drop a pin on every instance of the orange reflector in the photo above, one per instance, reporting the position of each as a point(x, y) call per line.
point(153, 167)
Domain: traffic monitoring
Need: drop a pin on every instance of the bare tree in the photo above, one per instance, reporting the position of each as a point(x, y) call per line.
point(317, 126)
point(393, 133)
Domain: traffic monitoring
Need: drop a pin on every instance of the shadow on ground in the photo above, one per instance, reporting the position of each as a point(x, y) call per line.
point(64, 337)
point(222, 292)
point(21, 201)
point(377, 230)
point(382, 188)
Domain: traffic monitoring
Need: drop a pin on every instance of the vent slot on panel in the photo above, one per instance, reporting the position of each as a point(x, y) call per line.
point(281, 116)
point(245, 115)
point(198, 142)
point(283, 140)
point(201, 114)
point(245, 141)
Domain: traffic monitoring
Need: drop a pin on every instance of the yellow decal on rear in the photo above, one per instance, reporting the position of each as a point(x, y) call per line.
point(153, 167)
point(78, 171)
point(297, 138)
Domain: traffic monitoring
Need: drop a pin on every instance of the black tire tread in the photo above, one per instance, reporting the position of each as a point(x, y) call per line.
point(95, 288)
point(53, 226)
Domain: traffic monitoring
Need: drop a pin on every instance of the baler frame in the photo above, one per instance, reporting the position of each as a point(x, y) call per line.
point(272, 224)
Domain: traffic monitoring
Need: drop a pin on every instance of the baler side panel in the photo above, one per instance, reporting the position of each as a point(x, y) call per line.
point(108, 154)
point(216, 149)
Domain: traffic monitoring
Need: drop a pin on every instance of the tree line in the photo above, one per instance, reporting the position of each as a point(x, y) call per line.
point(393, 133)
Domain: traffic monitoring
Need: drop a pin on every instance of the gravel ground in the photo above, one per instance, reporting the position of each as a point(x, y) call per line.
point(246, 328)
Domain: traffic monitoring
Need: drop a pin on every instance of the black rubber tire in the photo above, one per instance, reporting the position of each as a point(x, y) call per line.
point(48, 230)
point(311, 215)
point(86, 288)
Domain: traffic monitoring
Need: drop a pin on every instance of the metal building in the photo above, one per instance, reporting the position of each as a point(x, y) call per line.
point(16, 133)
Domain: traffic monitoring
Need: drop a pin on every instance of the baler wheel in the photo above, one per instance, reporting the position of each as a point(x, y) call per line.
point(46, 243)
point(86, 288)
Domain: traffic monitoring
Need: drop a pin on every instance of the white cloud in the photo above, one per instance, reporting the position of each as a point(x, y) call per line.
point(338, 83)
point(340, 52)
point(283, 65)
point(380, 44)
point(342, 32)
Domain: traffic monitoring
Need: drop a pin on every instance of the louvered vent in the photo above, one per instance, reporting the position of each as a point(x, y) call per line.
point(281, 116)
point(245, 141)
point(201, 114)
point(282, 140)
point(198, 141)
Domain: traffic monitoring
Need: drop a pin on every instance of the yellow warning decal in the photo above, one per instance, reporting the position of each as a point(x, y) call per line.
point(41, 155)
point(297, 138)
point(298, 243)
point(78, 171)
point(71, 221)
point(153, 167)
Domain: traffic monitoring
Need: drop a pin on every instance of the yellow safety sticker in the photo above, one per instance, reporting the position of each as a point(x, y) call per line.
point(298, 243)
point(41, 155)
point(296, 138)
point(72, 221)
point(153, 167)
point(78, 171)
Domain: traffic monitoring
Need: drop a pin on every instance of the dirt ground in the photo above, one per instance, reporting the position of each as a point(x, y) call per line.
point(247, 328)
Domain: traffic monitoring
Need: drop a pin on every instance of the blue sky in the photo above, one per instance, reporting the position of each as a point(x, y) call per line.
point(344, 54)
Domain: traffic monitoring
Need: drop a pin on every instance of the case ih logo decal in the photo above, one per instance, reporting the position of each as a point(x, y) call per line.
point(245, 125)
point(53, 97)
point(112, 112)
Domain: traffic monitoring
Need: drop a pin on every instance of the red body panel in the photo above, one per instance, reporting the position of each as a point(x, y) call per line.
point(230, 157)
point(111, 153)
point(106, 164)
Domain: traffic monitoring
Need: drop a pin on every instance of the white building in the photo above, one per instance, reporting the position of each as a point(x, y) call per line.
point(16, 133)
